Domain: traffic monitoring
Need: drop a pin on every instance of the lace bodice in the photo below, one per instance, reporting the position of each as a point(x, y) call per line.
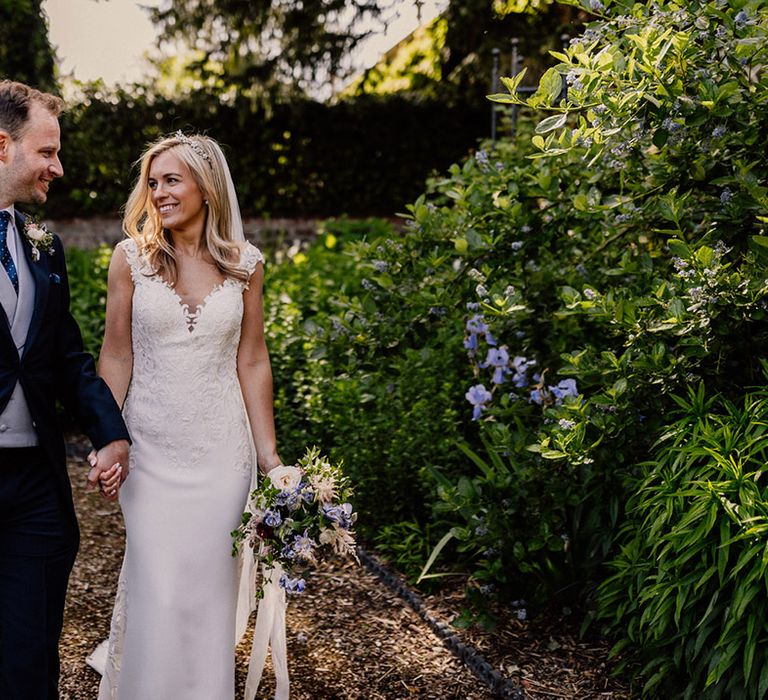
point(184, 387)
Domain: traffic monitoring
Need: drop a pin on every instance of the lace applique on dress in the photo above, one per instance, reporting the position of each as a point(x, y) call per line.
point(117, 636)
point(185, 362)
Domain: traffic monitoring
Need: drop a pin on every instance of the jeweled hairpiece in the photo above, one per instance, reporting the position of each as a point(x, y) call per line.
point(194, 145)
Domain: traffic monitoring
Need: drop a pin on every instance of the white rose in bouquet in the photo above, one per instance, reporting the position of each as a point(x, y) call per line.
point(285, 477)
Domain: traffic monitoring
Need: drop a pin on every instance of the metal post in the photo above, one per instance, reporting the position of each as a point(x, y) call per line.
point(515, 69)
point(494, 90)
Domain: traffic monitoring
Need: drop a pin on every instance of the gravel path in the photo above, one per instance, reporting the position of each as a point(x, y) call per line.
point(348, 637)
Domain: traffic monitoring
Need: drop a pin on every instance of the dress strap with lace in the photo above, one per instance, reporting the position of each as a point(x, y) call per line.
point(250, 257)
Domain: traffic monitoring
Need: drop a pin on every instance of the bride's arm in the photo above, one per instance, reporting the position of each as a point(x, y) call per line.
point(255, 374)
point(116, 357)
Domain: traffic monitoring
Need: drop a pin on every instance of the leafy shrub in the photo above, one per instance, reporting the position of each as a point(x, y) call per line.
point(88, 292)
point(689, 587)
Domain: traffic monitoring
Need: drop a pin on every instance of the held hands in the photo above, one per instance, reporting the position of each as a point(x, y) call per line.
point(109, 468)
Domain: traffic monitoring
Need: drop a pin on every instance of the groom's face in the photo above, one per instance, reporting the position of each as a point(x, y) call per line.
point(31, 161)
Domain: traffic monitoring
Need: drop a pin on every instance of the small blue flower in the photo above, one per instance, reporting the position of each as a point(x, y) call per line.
point(292, 585)
point(303, 546)
point(741, 20)
point(566, 424)
point(342, 514)
point(478, 396)
point(380, 265)
point(516, 245)
point(498, 358)
point(726, 196)
point(522, 614)
point(719, 132)
point(272, 518)
point(477, 324)
point(565, 387)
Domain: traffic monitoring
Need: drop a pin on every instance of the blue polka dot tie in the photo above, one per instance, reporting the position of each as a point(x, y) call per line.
point(5, 255)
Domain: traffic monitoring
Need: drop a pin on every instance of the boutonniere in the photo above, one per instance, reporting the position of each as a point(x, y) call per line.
point(39, 237)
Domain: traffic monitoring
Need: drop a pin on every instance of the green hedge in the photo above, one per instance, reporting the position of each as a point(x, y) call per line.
point(360, 157)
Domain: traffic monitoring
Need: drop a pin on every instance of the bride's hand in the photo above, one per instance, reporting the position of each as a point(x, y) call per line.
point(109, 482)
point(267, 464)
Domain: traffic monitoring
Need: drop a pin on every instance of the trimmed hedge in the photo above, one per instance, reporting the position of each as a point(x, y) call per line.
point(360, 157)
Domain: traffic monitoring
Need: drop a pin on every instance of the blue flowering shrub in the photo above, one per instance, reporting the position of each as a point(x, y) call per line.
point(351, 376)
point(659, 145)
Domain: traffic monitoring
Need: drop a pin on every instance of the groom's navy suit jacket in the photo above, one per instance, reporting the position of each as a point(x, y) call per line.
point(54, 366)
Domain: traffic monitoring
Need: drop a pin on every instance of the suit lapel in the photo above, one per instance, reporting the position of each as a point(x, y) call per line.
point(39, 270)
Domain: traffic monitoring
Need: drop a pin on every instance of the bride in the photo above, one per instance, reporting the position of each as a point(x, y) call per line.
point(184, 353)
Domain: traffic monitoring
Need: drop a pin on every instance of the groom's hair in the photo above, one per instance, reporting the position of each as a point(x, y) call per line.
point(15, 100)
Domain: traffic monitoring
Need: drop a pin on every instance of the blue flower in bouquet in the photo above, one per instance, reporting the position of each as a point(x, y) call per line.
point(288, 552)
point(289, 499)
point(292, 585)
point(272, 517)
point(342, 514)
point(304, 547)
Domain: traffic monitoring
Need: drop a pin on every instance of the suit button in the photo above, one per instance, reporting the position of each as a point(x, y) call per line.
point(3, 428)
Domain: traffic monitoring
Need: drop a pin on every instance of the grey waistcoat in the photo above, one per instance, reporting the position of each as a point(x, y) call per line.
point(16, 427)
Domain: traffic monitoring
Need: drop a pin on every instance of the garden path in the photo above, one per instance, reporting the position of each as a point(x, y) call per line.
point(349, 636)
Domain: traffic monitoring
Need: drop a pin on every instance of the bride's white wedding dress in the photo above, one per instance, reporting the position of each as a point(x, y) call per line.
point(173, 626)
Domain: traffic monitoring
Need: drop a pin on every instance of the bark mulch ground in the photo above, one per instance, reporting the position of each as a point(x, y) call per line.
point(349, 636)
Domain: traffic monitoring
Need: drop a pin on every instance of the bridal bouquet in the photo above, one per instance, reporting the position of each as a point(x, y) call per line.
point(297, 515)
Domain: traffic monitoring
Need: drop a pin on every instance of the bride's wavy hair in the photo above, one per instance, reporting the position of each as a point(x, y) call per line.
point(209, 169)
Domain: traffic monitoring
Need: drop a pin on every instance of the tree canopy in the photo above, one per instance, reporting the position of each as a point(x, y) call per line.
point(26, 54)
point(267, 46)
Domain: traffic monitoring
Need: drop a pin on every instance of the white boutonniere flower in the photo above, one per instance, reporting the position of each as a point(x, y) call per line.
point(39, 237)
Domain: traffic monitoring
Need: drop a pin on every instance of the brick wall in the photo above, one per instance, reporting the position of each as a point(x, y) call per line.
point(269, 233)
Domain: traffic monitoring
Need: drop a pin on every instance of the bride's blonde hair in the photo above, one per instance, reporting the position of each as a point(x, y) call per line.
point(141, 220)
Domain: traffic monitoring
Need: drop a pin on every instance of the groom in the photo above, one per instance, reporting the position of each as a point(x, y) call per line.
point(41, 361)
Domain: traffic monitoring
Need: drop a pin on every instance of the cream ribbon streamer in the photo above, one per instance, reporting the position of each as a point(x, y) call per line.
point(270, 632)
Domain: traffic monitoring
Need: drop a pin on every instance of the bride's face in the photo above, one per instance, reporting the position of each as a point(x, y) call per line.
point(175, 194)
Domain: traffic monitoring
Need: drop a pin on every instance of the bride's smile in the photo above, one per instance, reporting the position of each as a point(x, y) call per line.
point(175, 194)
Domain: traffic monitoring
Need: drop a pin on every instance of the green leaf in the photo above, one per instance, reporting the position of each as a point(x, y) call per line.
point(550, 87)
point(444, 540)
point(551, 123)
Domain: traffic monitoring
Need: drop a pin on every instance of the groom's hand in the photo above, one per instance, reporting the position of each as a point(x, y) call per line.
point(115, 452)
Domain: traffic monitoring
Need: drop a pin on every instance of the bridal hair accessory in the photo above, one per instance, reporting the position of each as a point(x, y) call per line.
point(194, 145)
point(297, 516)
point(39, 237)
